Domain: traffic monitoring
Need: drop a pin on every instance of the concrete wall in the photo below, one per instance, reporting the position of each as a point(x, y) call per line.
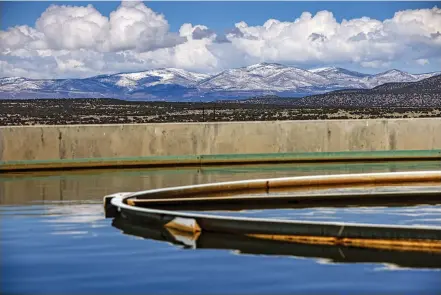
point(141, 140)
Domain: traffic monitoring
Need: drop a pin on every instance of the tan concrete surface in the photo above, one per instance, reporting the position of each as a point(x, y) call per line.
point(141, 140)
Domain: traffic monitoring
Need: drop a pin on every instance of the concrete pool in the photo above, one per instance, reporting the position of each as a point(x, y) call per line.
point(55, 239)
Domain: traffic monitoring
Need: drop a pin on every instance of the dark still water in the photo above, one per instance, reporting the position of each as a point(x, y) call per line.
point(55, 240)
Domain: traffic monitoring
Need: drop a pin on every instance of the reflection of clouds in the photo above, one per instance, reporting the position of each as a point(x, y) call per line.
point(74, 220)
point(421, 210)
point(435, 222)
point(70, 232)
point(431, 219)
point(75, 213)
point(425, 215)
point(365, 210)
point(326, 261)
point(416, 214)
point(438, 226)
point(421, 215)
point(323, 218)
point(394, 267)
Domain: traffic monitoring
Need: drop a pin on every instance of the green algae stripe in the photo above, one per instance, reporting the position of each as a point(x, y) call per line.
point(161, 161)
point(330, 155)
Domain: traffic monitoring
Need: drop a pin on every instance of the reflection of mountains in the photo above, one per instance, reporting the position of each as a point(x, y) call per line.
point(93, 185)
point(248, 245)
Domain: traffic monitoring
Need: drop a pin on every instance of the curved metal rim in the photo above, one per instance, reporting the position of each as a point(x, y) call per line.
point(367, 178)
point(118, 199)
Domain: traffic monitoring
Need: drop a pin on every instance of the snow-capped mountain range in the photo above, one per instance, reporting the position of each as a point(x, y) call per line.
point(178, 85)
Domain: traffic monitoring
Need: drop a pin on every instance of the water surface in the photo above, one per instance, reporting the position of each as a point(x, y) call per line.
point(55, 240)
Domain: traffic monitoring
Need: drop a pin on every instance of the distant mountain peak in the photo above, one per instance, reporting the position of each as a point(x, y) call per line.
point(393, 72)
point(270, 77)
point(263, 65)
point(323, 69)
point(164, 83)
point(335, 72)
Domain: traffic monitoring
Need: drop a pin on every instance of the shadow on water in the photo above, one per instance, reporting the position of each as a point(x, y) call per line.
point(248, 245)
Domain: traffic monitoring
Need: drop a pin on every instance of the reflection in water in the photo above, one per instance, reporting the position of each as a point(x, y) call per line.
point(93, 185)
point(248, 245)
point(61, 248)
point(417, 215)
point(73, 214)
point(56, 241)
point(376, 195)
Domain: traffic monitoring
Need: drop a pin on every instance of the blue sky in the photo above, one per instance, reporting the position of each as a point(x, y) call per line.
point(80, 40)
point(219, 15)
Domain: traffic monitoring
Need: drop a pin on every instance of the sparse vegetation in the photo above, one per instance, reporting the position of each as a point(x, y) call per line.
point(422, 94)
point(113, 111)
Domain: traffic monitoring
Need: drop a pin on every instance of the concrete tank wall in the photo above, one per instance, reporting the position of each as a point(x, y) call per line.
point(143, 140)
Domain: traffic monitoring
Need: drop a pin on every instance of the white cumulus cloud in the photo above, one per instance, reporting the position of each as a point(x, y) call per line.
point(71, 27)
point(78, 41)
point(135, 26)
